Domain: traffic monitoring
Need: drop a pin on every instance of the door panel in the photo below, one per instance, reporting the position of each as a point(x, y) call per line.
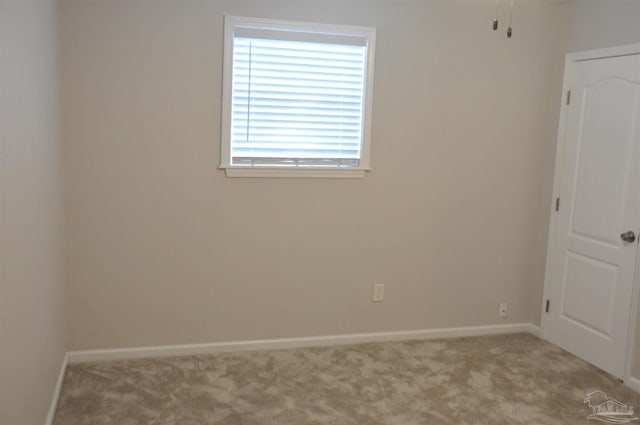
point(603, 168)
point(593, 269)
point(596, 278)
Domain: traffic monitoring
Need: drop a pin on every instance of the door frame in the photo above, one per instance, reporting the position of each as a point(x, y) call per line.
point(630, 49)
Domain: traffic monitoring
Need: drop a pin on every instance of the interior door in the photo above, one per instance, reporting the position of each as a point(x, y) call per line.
point(596, 234)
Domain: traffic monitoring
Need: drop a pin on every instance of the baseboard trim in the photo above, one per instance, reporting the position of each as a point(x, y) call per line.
point(56, 391)
point(284, 343)
point(534, 330)
point(633, 383)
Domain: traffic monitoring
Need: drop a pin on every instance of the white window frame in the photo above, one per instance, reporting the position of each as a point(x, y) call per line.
point(306, 30)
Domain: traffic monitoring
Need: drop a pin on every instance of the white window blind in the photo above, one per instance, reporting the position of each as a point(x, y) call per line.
point(297, 98)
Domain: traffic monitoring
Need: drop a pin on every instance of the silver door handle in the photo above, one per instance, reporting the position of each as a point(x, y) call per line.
point(628, 236)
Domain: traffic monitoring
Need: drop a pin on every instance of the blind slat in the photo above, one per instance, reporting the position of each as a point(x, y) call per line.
point(297, 103)
point(293, 34)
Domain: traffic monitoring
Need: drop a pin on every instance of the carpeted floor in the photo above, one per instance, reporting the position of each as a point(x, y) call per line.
point(510, 379)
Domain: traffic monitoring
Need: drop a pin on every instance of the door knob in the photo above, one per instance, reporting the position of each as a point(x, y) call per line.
point(628, 236)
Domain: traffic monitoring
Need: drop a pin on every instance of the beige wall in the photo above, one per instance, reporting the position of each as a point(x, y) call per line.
point(163, 249)
point(32, 338)
point(596, 24)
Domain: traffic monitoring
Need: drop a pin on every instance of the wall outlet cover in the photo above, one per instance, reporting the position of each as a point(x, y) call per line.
point(378, 293)
point(502, 310)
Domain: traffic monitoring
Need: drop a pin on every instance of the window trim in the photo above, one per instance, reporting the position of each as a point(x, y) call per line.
point(233, 22)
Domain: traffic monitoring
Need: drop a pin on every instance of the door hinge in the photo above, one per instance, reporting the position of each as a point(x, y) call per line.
point(546, 309)
point(568, 97)
point(557, 204)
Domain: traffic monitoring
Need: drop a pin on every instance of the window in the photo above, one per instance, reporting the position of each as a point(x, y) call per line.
point(296, 99)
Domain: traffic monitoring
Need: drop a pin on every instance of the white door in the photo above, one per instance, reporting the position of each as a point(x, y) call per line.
point(593, 257)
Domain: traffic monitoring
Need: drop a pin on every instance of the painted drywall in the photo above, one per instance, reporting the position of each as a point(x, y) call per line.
point(32, 325)
point(547, 167)
point(596, 24)
point(163, 249)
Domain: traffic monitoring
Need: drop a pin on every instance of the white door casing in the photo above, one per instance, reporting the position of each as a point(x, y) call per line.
point(590, 270)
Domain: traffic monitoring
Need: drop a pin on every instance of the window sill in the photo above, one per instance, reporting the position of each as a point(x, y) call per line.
point(270, 172)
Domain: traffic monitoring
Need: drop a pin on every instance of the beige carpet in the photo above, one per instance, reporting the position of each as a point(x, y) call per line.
point(512, 379)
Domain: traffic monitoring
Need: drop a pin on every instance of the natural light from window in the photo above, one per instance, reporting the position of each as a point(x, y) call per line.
point(297, 99)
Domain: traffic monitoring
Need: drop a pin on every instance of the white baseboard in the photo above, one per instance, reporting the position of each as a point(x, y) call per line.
point(284, 343)
point(633, 383)
point(56, 391)
point(534, 330)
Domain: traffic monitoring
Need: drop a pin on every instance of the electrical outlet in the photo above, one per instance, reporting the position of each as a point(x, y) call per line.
point(502, 310)
point(378, 293)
